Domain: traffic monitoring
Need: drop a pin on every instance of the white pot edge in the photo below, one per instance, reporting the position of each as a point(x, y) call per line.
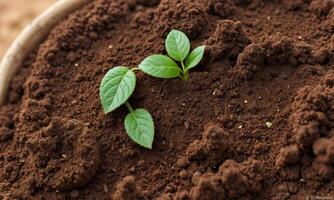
point(30, 38)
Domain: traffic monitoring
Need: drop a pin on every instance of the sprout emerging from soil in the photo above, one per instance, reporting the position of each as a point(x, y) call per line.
point(119, 83)
point(178, 48)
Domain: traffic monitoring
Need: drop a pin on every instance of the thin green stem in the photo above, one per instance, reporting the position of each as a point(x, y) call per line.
point(136, 69)
point(129, 107)
point(184, 72)
point(182, 76)
point(182, 64)
point(185, 75)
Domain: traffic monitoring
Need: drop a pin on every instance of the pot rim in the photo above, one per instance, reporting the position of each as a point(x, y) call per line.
point(31, 36)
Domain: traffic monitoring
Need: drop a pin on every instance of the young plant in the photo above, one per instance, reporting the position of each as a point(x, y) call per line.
point(116, 88)
point(178, 48)
point(119, 83)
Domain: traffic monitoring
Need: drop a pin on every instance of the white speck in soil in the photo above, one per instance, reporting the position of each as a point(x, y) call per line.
point(132, 169)
point(186, 124)
point(269, 124)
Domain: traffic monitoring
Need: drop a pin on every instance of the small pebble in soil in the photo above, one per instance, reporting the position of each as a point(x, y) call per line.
point(217, 92)
point(182, 162)
point(141, 163)
point(105, 188)
point(183, 174)
point(132, 169)
point(196, 177)
point(170, 188)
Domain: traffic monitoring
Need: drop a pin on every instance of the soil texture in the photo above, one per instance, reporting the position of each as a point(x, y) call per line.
point(255, 120)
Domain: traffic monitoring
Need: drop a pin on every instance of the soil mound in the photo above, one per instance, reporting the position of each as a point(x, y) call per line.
point(127, 189)
point(233, 180)
point(65, 154)
point(213, 148)
point(312, 121)
point(277, 50)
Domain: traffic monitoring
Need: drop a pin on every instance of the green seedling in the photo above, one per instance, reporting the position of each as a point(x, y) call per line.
point(119, 83)
point(178, 49)
point(116, 88)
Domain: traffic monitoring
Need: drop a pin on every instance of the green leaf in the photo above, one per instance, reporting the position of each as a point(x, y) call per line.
point(195, 57)
point(116, 87)
point(139, 126)
point(160, 66)
point(177, 45)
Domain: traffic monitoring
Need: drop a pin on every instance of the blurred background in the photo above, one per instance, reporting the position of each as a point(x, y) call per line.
point(15, 15)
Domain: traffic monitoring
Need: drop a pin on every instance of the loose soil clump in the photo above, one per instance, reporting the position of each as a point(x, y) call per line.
point(255, 120)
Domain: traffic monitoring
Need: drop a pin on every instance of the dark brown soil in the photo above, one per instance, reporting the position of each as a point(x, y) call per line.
point(255, 120)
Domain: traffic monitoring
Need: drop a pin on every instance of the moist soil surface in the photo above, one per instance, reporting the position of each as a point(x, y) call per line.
point(255, 120)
